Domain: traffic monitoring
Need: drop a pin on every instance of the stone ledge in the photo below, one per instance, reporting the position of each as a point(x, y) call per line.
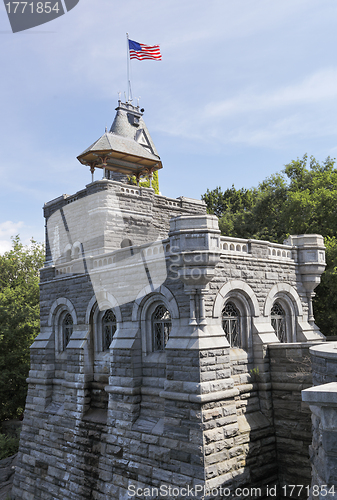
point(298, 345)
point(321, 395)
point(200, 398)
point(130, 391)
point(327, 350)
point(54, 381)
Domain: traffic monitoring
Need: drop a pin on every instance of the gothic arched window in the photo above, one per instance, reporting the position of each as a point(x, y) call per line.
point(231, 324)
point(278, 321)
point(109, 327)
point(161, 326)
point(67, 329)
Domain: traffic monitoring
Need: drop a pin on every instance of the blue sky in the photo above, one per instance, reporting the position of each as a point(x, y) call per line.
point(244, 87)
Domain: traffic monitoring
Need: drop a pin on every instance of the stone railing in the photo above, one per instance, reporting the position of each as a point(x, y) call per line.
point(277, 251)
point(63, 270)
point(130, 190)
point(115, 258)
point(233, 245)
point(241, 246)
point(137, 191)
point(148, 251)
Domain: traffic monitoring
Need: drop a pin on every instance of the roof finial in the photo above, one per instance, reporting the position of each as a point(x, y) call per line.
point(106, 129)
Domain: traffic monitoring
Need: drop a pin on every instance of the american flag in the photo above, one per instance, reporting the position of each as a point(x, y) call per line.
point(141, 52)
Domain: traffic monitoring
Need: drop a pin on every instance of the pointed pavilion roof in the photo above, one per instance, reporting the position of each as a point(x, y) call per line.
point(127, 148)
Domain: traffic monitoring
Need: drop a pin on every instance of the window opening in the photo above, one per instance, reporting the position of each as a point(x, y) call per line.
point(109, 328)
point(231, 324)
point(161, 327)
point(278, 321)
point(67, 327)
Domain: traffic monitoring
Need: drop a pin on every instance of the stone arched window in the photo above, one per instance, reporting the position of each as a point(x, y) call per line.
point(158, 314)
point(234, 307)
point(231, 324)
point(109, 327)
point(62, 318)
point(68, 255)
point(160, 327)
point(126, 243)
point(278, 321)
point(104, 317)
point(67, 329)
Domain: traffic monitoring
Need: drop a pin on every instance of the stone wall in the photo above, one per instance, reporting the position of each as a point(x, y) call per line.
point(196, 413)
point(210, 439)
point(290, 369)
point(256, 431)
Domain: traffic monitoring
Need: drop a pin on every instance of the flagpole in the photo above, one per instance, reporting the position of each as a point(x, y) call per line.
point(128, 67)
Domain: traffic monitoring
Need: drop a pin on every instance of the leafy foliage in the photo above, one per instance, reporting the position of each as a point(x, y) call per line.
point(302, 199)
point(9, 445)
point(232, 207)
point(325, 302)
point(19, 322)
point(146, 182)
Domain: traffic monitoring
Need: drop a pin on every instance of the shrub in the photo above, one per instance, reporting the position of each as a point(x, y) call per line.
point(9, 445)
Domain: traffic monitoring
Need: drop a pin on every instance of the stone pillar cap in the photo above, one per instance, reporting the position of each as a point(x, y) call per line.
point(304, 240)
point(325, 350)
point(321, 395)
point(198, 223)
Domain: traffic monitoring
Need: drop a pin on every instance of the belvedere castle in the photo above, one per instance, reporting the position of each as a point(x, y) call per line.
point(171, 359)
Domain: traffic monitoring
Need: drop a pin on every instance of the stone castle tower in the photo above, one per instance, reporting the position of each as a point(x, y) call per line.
point(153, 368)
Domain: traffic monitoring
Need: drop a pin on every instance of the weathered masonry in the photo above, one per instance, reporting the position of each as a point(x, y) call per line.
point(322, 399)
point(153, 365)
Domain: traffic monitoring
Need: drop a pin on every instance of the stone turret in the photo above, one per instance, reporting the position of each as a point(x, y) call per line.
point(127, 149)
point(311, 259)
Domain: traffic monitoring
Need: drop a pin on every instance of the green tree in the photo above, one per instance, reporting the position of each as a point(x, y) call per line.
point(19, 322)
point(232, 207)
point(325, 301)
point(266, 221)
point(312, 197)
point(302, 199)
point(311, 208)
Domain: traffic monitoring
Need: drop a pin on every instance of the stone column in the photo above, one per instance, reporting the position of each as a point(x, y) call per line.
point(200, 416)
point(79, 374)
point(322, 400)
point(125, 377)
point(199, 393)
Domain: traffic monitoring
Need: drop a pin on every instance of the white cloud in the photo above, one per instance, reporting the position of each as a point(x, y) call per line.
point(7, 230)
point(320, 86)
point(5, 246)
point(269, 118)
